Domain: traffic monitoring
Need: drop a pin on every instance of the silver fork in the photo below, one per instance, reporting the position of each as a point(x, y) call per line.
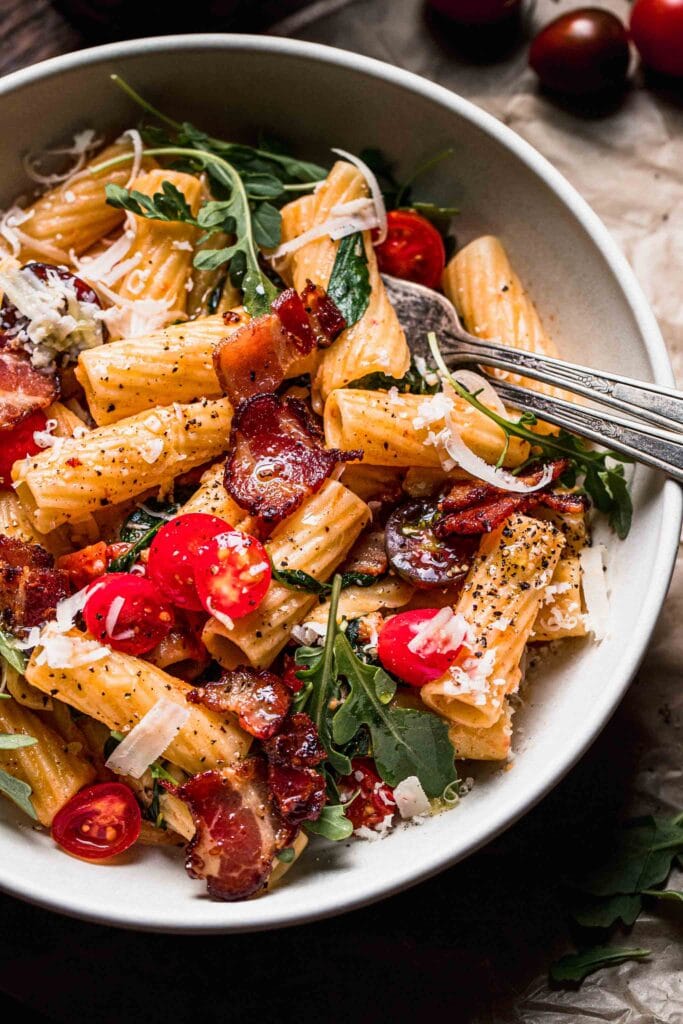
point(651, 433)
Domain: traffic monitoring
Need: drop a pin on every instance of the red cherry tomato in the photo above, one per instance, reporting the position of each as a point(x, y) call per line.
point(415, 668)
point(171, 556)
point(657, 31)
point(127, 612)
point(232, 573)
point(413, 249)
point(17, 443)
point(375, 800)
point(583, 52)
point(98, 822)
point(476, 12)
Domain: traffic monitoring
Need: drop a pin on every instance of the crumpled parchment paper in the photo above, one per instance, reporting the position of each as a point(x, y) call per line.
point(628, 164)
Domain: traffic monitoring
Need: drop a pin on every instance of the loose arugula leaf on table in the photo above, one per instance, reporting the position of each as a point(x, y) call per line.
point(140, 529)
point(603, 482)
point(16, 740)
point(14, 657)
point(603, 913)
point(332, 823)
point(641, 858)
point(668, 895)
point(404, 741)
point(577, 966)
point(17, 791)
point(349, 284)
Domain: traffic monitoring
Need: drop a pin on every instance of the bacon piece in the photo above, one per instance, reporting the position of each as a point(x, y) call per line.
point(298, 790)
point(259, 356)
point(474, 508)
point(23, 389)
point(237, 832)
point(259, 699)
point(277, 457)
point(30, 586)
point(368, 555)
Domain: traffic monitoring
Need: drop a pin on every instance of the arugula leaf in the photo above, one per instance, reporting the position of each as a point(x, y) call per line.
point(604, 483)
point(267, 225)
point(170, 204)
point(640, 859)
point(603, 913)
point(412, 383)
point(14, 657)
point(297, 579)
point(578, 966)
point(404, 741)
point(349, 284)
point(332, 823)
point(15, 740)
point(287, 855)
point(18, 791)
point(140, 529)
point(672, 895)
point(324, 685)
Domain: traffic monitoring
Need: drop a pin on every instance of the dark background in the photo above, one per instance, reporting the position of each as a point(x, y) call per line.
point(472, 945)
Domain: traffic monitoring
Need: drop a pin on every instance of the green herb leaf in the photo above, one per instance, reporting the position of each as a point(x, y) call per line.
point(603, 913)
point(640, 859)
point(578, 966)
point(287, 855)
point(669, 895)
point(413, 383)
point(14, 657)
point(349, 284)
point(332, 823)
point(404, 741)
point(267, 225)
point(140, 529)
point(297, 579)
point(170, 204)
point(15, 740)
point(18, 791)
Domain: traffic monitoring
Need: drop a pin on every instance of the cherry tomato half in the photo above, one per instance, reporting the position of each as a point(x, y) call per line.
point(17, 443)
point(98, 822)
point(476, 12)
point(657, 31)
point(581, 53)
point(127, 612)
point(172, 553)
point(412, 667)
point(374, 799)
point(232, 573)
point(413, 249)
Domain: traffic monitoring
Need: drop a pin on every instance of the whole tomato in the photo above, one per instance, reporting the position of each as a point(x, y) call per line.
point(476, 12)
point(657, 31)
point(581, 53)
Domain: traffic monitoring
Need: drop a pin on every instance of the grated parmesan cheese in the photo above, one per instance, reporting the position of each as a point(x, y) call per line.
point(148, 740)
point(411, 799)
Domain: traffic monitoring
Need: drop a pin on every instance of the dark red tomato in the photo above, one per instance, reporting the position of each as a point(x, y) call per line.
point(657, 31)
point(127, 612)
point(374, 799)
point(232, 573)
point(476, 12)
point(418, 555)
point(413, 249)
point(17, 443)
point(98, 822)
point(289, 674)
point(171, 556)
point(581, 53)
point(413, 667)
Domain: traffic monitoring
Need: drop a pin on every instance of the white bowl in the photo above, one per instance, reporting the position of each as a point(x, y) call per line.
point(318, 97)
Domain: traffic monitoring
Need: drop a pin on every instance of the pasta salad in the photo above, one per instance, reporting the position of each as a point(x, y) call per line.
point(263, 574)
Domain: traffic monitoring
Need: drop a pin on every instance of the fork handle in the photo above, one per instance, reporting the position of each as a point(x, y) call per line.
point(650, 445)
point(641, 399)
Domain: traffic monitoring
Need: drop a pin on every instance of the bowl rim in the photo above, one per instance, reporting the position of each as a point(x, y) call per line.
point(671, 501)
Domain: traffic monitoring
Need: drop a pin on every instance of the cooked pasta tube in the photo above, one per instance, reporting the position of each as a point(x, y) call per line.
point(72, 217)
point(316, 539)
point(376, 343)
point(493, 304)
point(388, 593)
point(53, 769)
point(500, 600)
point(382, 424)
point(16, 522)
point(474, 744)
point(163, 249)
point(573, 525)
point(372, 483)
point(560, 613)
point(170, 365)
point(25, 694)
point(120, 689)
point(119, 461)
point(212, 498)
point(281, 866)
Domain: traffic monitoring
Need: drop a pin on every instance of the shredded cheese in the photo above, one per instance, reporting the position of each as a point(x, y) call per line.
point(411, 799)
point(148, 740)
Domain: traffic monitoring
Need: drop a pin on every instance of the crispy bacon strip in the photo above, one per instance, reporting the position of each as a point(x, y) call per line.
point(23, 390)
point(298, 790)
point(259, 699)
point(277, 457)
point(259, 356)
point(30, 586)
point(476, 507)
point(237, 832)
